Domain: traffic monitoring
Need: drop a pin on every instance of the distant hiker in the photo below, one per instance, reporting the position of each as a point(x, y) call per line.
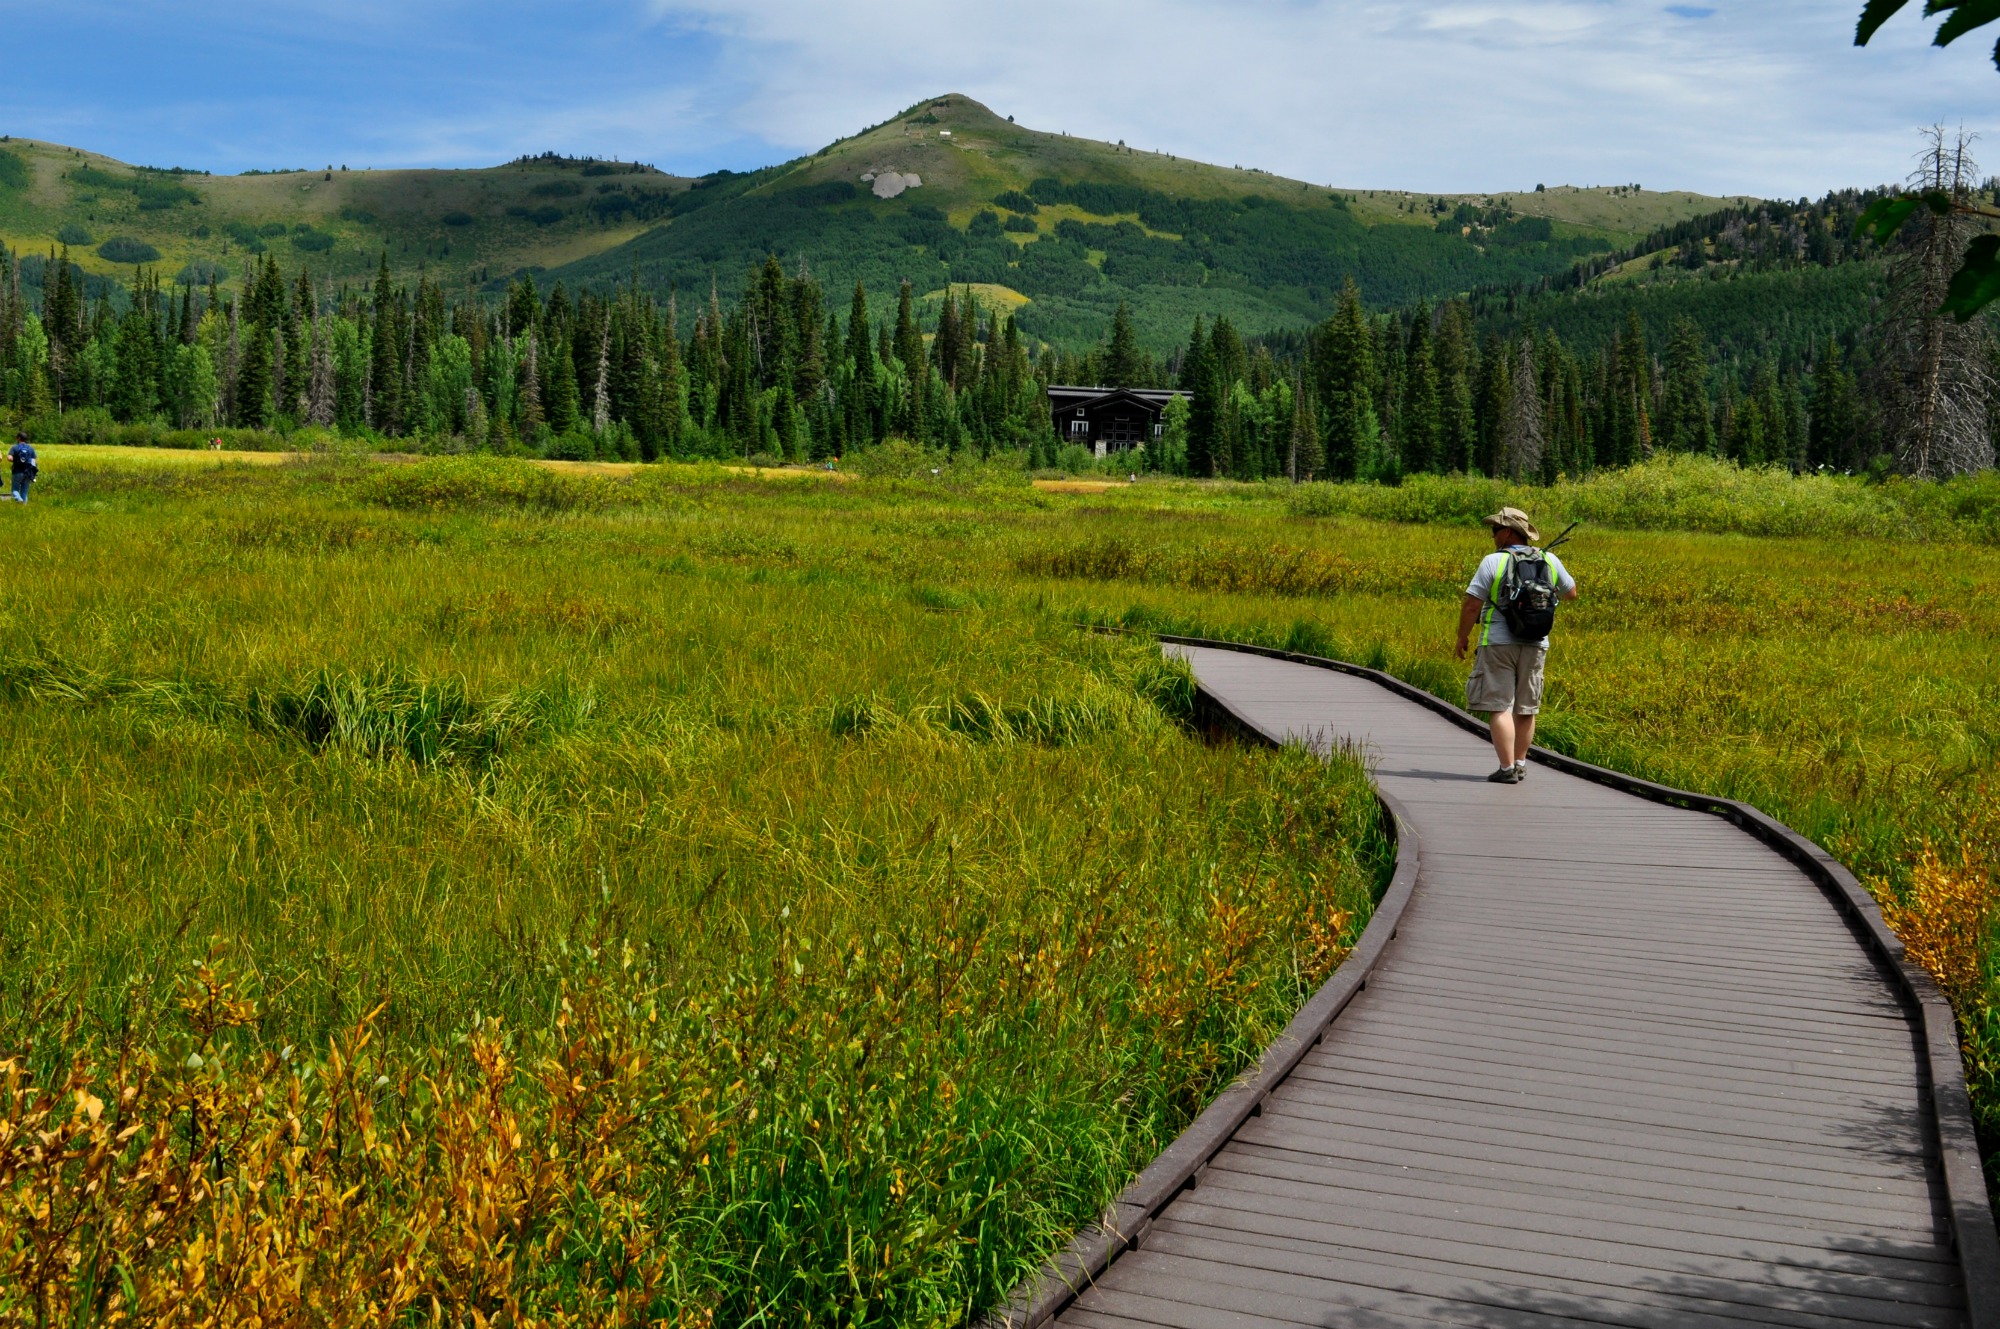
point(1512, 600)
point(26, 466)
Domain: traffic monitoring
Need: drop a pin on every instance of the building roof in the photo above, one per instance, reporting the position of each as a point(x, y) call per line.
point(1071, 397)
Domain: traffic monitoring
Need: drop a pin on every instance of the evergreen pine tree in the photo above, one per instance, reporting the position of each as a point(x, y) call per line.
point(1347, 386)
point(1124, 362)
point(1834, 424)
point(1420, 417)
point(1306, 456)
point(1458, 426)
point(560, 396)
point(1685, 424)
point(385, 370)
point(253, 379)
point(1204, 405)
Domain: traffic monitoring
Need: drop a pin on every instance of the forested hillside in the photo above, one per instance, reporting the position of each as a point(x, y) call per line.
point(1316, 332)
point(191, 227)
point(1056, 229)
point(1064, 230)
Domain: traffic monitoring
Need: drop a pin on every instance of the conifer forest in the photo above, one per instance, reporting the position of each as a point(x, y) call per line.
point(1519, 383)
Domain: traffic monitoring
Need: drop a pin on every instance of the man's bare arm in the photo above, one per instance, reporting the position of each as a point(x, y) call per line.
point(1468, 614)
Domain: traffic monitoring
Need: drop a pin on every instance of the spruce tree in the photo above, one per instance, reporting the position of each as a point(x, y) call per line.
point(1420, 418)
point(253, 379)
point(1684, 423)
point(966, 372)
point(1305, 458)
point(385, 370)
point(860, 338)
point(1458, 425)
point(1347, 385)
point(1834, 434)
point(1124, 362)
point(1204, 405)
point(561, 402)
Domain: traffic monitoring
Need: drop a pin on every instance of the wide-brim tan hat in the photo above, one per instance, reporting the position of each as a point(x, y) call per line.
point(1514, 520)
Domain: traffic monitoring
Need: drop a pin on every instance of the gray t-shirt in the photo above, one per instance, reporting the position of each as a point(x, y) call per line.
point(1493, 630)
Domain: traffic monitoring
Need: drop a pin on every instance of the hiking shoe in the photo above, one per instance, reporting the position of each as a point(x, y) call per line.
point(1505, 775)
point(1520, 771)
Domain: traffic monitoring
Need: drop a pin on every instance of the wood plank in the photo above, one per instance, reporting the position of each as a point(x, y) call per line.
point(1782, 1231)
point(1586, 1291)
point(1856, 1272)
point(1875, 1197)
point(1559, 1124)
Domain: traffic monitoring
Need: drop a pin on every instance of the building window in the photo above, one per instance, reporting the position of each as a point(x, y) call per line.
point(1079, 427)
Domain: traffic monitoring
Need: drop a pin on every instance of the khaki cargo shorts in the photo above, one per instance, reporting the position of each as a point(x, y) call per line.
point(1506, 678)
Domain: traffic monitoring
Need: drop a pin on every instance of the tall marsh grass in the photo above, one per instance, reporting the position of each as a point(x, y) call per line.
point(661, 913)
point(1686, 494)
point(878, 922)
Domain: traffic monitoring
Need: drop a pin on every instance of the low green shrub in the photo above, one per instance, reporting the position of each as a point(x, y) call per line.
point(125, 249)
point(95, 425)
point(484, 483)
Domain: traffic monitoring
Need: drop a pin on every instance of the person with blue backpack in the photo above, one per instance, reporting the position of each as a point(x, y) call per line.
point(25, 466)
point(1512, 600)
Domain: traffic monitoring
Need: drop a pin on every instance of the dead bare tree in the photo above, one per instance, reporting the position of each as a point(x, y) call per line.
point(1942, 385)
point(1521, 434)
point(319, 393)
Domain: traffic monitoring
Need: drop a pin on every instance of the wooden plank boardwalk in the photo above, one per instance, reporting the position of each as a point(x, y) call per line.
point(1621, 1064)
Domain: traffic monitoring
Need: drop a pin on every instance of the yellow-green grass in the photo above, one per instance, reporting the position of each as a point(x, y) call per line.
point(97, 455)
point(666, 896)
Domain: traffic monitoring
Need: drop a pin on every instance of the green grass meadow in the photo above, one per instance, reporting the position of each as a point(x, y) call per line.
point(676, 895)
point(913, 920)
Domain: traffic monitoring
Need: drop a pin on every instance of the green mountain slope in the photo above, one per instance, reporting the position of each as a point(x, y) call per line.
point(1065, 228)
point(461, 226)
point(1057, 229)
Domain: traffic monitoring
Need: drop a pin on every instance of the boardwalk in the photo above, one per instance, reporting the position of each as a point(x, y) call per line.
point(1621, 1065)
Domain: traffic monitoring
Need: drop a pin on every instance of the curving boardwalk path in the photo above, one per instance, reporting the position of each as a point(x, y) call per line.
point(1623, 1064)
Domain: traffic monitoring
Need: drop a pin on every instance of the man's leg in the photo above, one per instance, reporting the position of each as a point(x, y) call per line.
point(1524, 738)
point(1503, 734)
point(20, 485)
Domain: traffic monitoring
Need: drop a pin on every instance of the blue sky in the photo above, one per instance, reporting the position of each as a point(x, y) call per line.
point(1727, 96)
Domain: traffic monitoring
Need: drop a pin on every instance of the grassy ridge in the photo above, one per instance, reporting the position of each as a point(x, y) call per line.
point(670, 900)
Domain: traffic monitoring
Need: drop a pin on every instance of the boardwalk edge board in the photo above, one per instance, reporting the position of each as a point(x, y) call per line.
point(1972, 1223)
point(1123, 1226)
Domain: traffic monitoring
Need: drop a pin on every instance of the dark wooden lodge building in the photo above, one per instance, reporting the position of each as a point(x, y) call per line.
point(1108, 420)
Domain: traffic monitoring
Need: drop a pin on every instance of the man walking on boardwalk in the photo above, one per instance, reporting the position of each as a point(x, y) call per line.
point(1506, 682)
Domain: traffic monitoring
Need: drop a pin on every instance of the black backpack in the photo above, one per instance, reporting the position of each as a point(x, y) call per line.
point(1526, 595)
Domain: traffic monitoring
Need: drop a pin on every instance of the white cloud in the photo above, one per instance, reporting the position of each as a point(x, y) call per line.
point(1727, 96)
point(1450, 94)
